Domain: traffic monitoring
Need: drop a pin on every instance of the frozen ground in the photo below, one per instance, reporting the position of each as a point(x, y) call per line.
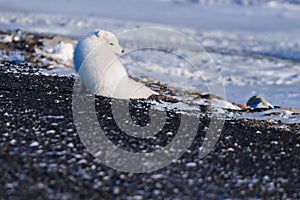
point(256, 48)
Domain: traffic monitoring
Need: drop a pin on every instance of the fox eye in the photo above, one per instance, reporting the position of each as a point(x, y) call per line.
point(112, 44)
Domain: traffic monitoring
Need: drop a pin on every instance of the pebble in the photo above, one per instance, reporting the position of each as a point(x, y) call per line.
point(71, 145)
point(58, 167)
point(116, 190)
point(191, 164)
point(13, 142)
point(157, 176)
point(258, 102)
point(51, 132)
point(34, 144)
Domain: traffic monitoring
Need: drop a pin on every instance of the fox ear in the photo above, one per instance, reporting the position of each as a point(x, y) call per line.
point(100, 34)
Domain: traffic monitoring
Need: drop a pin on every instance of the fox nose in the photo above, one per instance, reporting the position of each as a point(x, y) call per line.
point(123, 51)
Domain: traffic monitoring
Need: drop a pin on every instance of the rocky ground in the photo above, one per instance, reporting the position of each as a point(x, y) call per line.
point(42, 156)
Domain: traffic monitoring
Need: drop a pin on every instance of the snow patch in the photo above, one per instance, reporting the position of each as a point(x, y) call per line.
point(61, 51)
point(6, 38)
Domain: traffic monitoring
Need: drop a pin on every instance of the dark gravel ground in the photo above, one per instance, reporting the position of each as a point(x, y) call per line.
point(42, 156)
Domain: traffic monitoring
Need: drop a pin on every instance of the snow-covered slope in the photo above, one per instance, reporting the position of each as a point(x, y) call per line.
point(226, 18)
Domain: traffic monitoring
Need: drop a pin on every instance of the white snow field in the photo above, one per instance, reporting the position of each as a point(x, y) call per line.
point(256, 47)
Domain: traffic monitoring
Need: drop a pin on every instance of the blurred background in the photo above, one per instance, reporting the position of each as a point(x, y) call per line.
point(255, 43)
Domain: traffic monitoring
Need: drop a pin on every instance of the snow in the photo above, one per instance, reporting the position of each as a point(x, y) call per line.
point(223, 104)
point(15, 57)
point(59, 72)
point(6, 38)
point(273, 115)
point(256, 47)
point(62, 51)
point(229, 17)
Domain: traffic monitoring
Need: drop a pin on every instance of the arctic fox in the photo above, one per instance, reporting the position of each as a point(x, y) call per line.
point(100, 71)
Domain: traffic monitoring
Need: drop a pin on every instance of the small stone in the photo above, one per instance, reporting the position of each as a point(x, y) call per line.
point(13, 142)
point(157, 176)
point(258, 102)
point(34, 144)
point(191, 164)
point(51, 132)
point(70, 145)
point(170, 133)
point(230, 149)
point(274, 142)
point(116, 190)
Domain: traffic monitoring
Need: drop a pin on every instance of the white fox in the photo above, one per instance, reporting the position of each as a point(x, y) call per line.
point(100, 71)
